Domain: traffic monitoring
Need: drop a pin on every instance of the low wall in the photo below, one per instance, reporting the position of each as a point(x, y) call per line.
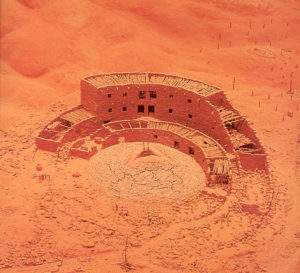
point(47, 144)
point(77, 152)
point(158, 136)
point(253, 161)
point(80, 130)
point(245, 129)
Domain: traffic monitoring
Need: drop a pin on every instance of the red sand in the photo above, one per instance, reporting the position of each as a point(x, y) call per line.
point(68, 223)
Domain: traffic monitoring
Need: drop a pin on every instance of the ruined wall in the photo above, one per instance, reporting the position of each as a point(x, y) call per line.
point(245, 129)
point(253, 161)
point(171, 104)
point(47, 144)
point(220, 100)
point(80, 130)
point(158, 136)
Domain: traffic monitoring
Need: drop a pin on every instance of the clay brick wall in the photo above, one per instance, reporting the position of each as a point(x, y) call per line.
point(121, 102)
point(80, 130)
point(253, 161)
point(158, 136)
point(47, 144)
point(83, 154)
point(219, 99)
point(245, 129)
point(88, 96)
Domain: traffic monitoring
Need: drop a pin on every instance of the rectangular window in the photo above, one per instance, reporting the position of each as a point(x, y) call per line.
point(191, 151)
point(190, 115)
point(189, 101)
point(151, 109)
point(155, 136)
point(109, 109)
point(142, 95)
point(141, 108)
point(124, 108)
point(171, 96)
point(176, 144)
point(152, 94)
point(125, 94)
point(109, 95)
point(170, 110)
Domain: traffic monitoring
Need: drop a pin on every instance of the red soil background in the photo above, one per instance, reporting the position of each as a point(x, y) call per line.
point(47, 46)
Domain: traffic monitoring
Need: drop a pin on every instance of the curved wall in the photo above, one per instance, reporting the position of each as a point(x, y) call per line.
point(162, 137)
point(127, 96)
point(171, 104)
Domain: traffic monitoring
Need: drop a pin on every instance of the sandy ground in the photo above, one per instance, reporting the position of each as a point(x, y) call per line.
point(74, 224)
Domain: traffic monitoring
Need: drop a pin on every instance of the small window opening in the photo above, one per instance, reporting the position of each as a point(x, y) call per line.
point(142, 94)
point(152, 94)
point(151, 109)
point(141, 108)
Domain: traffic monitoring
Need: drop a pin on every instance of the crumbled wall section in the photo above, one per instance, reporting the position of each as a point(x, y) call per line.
point(175, 101)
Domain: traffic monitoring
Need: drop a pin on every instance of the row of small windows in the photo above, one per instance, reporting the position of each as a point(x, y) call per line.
point(176, 145)
point(152, 95)
point(123, 109)
point(142, 94)
point(141, 108)
point(109, 95)
point(151, 109)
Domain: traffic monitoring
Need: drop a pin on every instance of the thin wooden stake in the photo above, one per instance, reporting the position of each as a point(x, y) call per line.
point(233, 83)
point(291, 83)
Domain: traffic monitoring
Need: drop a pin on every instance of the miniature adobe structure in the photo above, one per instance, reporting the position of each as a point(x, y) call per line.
point(188, 115)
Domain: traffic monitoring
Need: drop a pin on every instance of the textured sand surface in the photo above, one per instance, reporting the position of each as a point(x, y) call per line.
point(70, 223)
point(165, 174)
